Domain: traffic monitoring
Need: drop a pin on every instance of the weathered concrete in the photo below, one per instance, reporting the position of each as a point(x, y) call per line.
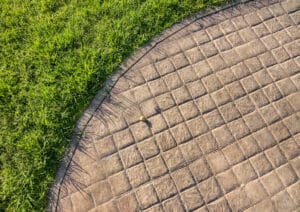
point(220, 95)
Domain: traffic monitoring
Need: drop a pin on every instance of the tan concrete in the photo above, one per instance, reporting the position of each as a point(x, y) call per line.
point(220, 97)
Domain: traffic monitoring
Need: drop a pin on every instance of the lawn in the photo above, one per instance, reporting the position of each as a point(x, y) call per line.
point(54, 57)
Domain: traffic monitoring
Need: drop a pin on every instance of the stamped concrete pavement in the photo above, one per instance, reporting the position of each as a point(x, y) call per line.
point(204, 118)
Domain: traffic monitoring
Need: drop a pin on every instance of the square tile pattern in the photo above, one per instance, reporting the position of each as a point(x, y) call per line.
point(221, 104)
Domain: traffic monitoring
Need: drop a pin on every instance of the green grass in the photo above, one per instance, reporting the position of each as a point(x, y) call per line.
point(54, 57)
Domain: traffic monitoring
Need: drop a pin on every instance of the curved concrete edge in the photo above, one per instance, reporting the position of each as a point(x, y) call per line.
point(133, 60)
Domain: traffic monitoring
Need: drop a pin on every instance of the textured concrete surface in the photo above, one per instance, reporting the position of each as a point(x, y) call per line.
point(220, 94)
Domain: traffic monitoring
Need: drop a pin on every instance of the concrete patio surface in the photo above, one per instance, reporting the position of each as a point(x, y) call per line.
point(203, 118)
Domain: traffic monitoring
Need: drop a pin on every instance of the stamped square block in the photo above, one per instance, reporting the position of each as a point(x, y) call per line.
point(137, 175)
point(280, 54)
point(149, 73)
point(217, 162)
point(249, 146)
point(181, 133)
point(294, 192)
point(179, 61)
point(255, 191)
point(223, 136)
point(235, 39)
point(244, 172)
point(157, 123)
point(165, 101)
point(247, 34)
point(173, 158)
point(182, 178)
point(156, 167)
point(227, 27)
point(253, 64)
point(119, 183)
point(269, 114)
point(233, 154)
point(249, 84)
point(272, 183)
point(286, 86)
point(164, 187)
point(100, 196)
point(165, 140)
point(260, 30)
point(213, 119)
point(238, 200)
point(128, 203)
point(217, 63)
point(235, 90)
point(229, 112)
point(270, 42)
point(227, 181)
point(277, 72)
point(211, 83)
point(173, 80)
point(205, 104)
point(272, 92)
point(192, 199)
point(140, 131)
point(283, 201)
point(202, 69)
point(293, 123)
point(194, 55)
point(187, 74)
point(290, 148)
point(157, 87)
point(164, 67)
point(221, 97)
point(244, 105)
point(209, 190)
point(287, 175)
point(130, 156)
point(222, 44)
point(264, 138)
point(261, 164)
point(279, 131)
point(105, 147)
point(284, 108)
point(181, 95)
point(240, 70)
point(197, 126)
point(149, 107)
point(141, 93)
point(207, 143)
point(259, 98)
point(254, 121)
point(226, 76)
point(263, 77)
point(123, 138)
point(196, 89)
point(275, 156)
point(214, 31)
point(201, 37)
point(239, 22)
point(148, 148)
point(252, 18)
point(238, 128)
point(112, 164)
point(188, 110)
point(208, 49)
point(190, 151)
point(173, 204)
point(173, 116)
point(146, 196)
point(200, 170)
point(82, 197)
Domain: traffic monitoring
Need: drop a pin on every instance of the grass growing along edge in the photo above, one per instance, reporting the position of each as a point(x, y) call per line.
point(54, 57)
